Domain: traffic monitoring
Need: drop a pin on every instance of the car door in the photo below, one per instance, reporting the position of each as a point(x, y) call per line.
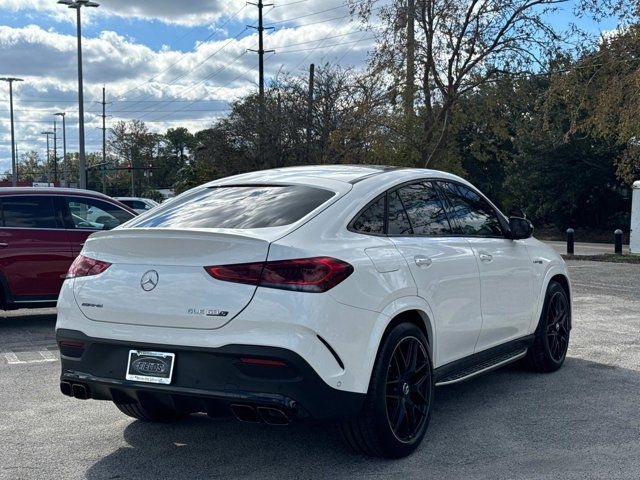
point(442, 265)
point(35, 253)
point(506, 270)
point(85, 215)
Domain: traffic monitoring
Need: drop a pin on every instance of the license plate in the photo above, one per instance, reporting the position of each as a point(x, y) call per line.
point(150, 367)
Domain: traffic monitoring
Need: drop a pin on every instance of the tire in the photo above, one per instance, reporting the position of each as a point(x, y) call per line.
point(549, 349)
point(150, 414)
point(393, 391)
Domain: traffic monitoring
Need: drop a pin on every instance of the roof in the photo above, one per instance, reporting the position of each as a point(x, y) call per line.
point(51, 191)
point(132, 198)
point(340, 173)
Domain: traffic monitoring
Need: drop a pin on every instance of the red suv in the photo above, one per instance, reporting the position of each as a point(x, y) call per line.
point(42, 231)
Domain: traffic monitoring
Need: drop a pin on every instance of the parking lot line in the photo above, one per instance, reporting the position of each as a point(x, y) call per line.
point(44, 356)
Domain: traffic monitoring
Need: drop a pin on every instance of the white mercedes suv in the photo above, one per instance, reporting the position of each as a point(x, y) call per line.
point(342, 292)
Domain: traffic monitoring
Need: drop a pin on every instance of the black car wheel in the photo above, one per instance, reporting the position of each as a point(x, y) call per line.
point(550, 346)
point(398, 406)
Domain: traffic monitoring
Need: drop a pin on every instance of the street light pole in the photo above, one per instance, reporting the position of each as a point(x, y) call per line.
point(77, 5)
point(14, 170)
point(48, 156)
point(64, 141)
point(55, 152)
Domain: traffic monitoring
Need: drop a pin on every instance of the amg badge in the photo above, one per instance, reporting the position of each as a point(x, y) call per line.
point(209, 312)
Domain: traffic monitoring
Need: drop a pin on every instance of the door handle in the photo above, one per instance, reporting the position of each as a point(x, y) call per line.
point(485, 257)
point(422, 261)
point(4, 245)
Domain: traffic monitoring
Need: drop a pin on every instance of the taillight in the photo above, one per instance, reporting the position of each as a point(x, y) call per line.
point(84, 266)
point(315, 275)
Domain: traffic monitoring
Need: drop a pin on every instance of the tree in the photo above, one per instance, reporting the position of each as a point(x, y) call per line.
point(31, 168)
point(599, 94)
point(460, 45)
point(131, 143)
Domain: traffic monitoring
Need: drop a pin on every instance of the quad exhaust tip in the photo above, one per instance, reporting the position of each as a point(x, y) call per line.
point(268, 415)
point(76, 390)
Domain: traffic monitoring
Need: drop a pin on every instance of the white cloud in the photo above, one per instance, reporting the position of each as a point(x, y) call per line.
point(164, 87)
point(186, 12)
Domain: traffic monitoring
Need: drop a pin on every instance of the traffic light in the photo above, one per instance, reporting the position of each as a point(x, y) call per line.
point(150, 166)
point(129, 166)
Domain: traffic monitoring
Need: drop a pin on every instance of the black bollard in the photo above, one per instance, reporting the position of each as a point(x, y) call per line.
point(618, 241)
point(570, 233)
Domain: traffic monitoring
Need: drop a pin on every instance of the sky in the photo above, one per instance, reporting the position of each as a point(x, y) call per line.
point(169, 63)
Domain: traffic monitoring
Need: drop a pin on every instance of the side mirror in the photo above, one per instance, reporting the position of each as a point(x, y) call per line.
point(521, 228)
point(517, 212)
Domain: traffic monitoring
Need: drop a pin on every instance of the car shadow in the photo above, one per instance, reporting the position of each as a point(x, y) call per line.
point(22, 329)
point(506, 424)
point(23, 318)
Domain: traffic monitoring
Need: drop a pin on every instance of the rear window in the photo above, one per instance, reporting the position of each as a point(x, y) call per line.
point(239, 207)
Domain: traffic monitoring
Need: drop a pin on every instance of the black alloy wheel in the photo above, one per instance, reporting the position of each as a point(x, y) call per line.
point(408, 389)
point(396, 413)
point(558, 326)
point(549, 349)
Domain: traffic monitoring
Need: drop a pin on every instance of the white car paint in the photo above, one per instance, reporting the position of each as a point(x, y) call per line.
point(466, 306)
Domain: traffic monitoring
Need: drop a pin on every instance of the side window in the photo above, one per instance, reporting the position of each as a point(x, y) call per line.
point(372, 219)
point(472, 214)
point(136, 204)
point(399, 223)
point(28, 212)
point(92, 214)
point(425, 210)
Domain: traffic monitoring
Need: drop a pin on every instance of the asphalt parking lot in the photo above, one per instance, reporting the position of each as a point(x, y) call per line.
point(581, 422)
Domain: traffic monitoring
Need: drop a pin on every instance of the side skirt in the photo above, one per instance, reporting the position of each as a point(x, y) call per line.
point(482, 362)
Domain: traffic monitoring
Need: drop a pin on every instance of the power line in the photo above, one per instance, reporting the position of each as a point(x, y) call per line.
point(222, 69)
point(318, 39)
point(325, 46)
point(240, 75)
point(290, 3)
point(183, 56)
point(202, 62)
point(286, 20)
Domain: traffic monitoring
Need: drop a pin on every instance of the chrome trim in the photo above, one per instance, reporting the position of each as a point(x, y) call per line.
point(34, 301)
point(484, 370)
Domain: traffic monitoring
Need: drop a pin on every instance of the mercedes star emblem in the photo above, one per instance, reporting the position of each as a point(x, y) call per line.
point(149, 280)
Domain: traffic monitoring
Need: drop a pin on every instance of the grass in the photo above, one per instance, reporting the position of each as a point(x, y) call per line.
point(606, 257)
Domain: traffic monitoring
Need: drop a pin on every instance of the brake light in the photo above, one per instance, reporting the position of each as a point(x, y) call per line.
point(84, 267)
point(314, 275)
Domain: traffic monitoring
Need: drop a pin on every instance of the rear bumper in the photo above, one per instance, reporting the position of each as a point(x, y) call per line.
point(207, 380)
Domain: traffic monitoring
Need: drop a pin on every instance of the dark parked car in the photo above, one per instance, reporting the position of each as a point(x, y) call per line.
point(42, 231)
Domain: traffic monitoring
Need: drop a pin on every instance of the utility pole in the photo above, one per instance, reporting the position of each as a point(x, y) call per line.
point(14, 167)
point(133, 171)
point(77, 5)
point(55, 152)
point(48, 152)
point(261, 51)
point(64, 143)
point(18, 157)
point(411, 54)
point(312, 69)
point(104, 139)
